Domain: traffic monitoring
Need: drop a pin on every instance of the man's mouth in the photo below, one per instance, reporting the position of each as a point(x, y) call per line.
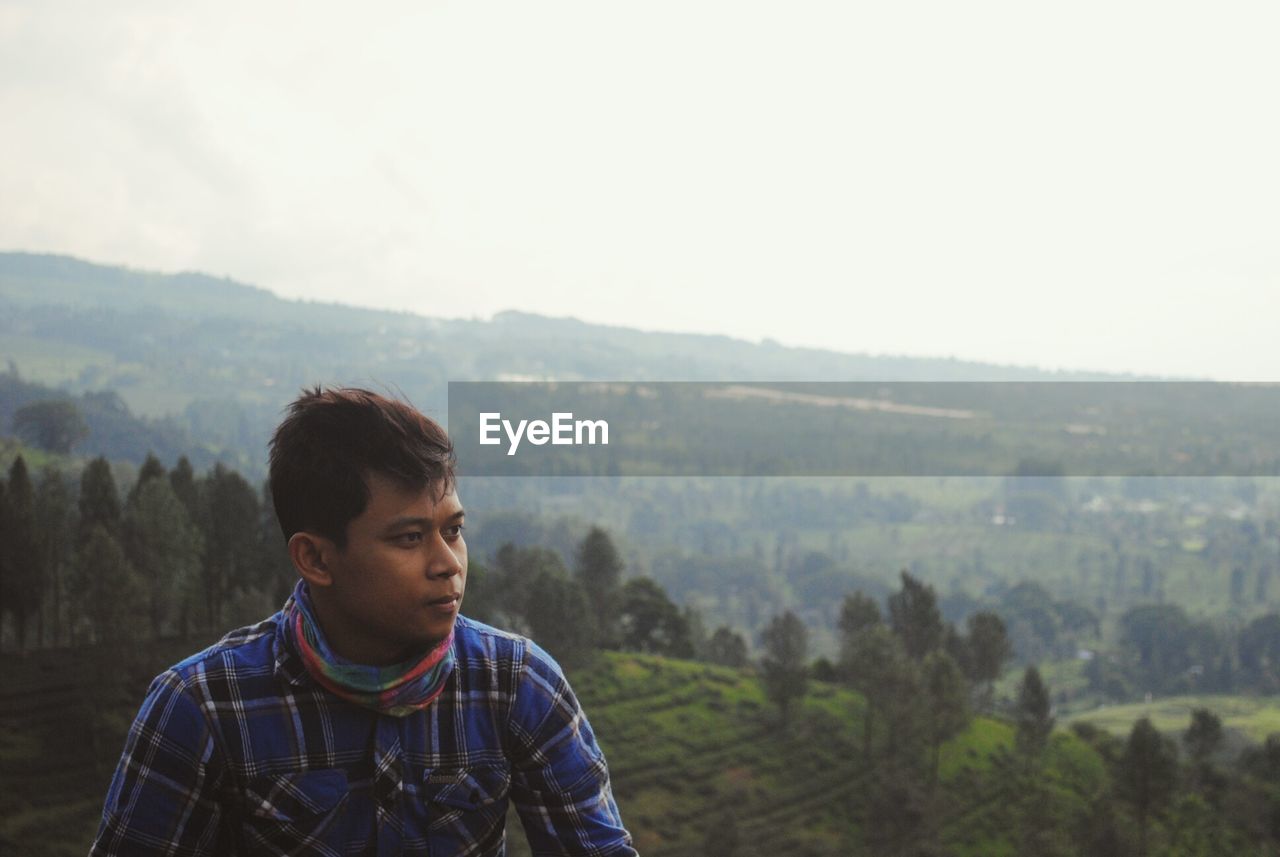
point(446, 600)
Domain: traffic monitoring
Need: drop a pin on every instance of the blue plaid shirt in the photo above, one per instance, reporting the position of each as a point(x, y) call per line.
point(237, 750)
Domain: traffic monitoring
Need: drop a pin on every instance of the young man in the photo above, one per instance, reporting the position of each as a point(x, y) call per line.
point(366, 717)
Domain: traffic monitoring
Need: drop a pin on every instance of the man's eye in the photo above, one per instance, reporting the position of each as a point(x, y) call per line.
point(409, 538)
point(454, 531)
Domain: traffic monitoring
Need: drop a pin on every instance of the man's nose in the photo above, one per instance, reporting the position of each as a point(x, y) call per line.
point(444, 561)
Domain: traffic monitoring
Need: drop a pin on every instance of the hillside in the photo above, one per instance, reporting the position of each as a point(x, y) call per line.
point(694, 750)
point(222, 357)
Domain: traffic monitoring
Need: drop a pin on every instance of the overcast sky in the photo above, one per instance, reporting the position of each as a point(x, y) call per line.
point(1085, 185)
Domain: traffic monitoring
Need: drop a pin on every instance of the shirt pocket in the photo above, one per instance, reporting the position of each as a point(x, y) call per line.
point(294, 813)
point(466, 808)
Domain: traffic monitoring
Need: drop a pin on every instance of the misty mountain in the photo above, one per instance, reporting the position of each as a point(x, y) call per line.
point(221, 358)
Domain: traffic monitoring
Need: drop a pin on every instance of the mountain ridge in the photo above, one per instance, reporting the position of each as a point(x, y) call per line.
point(38, 279)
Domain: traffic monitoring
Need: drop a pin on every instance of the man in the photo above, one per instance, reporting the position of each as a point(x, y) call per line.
point(367, 716)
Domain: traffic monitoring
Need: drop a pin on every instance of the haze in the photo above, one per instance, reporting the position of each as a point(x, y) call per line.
point(1088, 185)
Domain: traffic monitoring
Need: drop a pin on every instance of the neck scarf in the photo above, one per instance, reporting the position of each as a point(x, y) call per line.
point(398, 690)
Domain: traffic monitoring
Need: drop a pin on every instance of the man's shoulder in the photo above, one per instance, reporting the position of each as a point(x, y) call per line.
point(244, 651)
point(474, 639)
point(478, 644)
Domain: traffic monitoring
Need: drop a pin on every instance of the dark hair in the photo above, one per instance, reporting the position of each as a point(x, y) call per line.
point(330, 440)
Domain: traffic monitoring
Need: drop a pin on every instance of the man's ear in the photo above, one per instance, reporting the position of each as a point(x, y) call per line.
point(308, 552)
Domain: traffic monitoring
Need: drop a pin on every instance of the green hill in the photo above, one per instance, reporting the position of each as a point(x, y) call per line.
point(695, 752)
point(222, 358)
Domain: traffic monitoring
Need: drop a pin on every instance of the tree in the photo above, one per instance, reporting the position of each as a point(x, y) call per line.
point(559, 615)
point(783, 667)
point(183, 481)
point(946, 704)
point(107, 592)
point(99, 501)
point(599, 570)
point(164, 547)
point(1147, 774)
point(873, 663)
point(651, 622)
point(281, 576)
point(1160, 636)
point(1204, 735)
point(722, 837)
point(1259, 646)
point(727, 648)
point(986, 649)
point(53, 522)
point(1033, 720)
point(915, 618)
point(6, 558)
point(1202, 739)
point(230, 539)
point(857, 613)
point(516, 569)
point(1042, 829)
point(151, 469)
point(24, 571)
point(54, 425)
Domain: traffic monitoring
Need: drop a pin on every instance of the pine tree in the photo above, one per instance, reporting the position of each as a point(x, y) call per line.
point(1204, 735)
point(727, 648)
point(650, 621)
point(164, 547)
point(857, 613)
point(946, 704)
point(151, 469)
point(560, 617)
point(274, 553)
point(515, 571)
point(915, 618)
point(53, 522)
point(599, 570)
point(6, 558)
point(1147, 775)
point(987, 648)
point(230, 531)
point(26, 573)
point(108, 595)
point(55, 425)
point(783, 667)
point(1032, 717)
point(99, 501)
point(873, 663)
point(183, 481)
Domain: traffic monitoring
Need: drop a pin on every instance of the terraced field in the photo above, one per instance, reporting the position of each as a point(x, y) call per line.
point(696, 753)
point(55, 755)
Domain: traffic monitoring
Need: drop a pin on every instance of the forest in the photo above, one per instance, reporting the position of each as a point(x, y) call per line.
point(93, 575)
point(1039, 657)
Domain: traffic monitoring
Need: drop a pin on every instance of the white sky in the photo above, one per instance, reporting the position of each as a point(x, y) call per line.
point(1084, 185)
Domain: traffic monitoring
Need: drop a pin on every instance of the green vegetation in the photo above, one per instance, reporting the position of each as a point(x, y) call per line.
point(1253, 717)
point(687, 743)
point(901, 739)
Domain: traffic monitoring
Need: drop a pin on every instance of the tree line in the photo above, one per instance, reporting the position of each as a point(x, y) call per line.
point(178, 554)
point(921, 680)
point(1162, 650)
point(182, 554)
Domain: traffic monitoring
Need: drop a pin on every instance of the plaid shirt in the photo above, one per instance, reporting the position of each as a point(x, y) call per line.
point(237, 750)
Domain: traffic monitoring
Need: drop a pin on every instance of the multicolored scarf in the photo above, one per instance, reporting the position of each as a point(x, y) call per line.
point(398, 690)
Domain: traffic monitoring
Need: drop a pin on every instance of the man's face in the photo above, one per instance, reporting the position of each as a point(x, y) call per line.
point(396, 587)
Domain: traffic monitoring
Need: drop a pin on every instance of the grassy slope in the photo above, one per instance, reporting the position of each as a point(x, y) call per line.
point(1254, 716)
point(686, 743)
